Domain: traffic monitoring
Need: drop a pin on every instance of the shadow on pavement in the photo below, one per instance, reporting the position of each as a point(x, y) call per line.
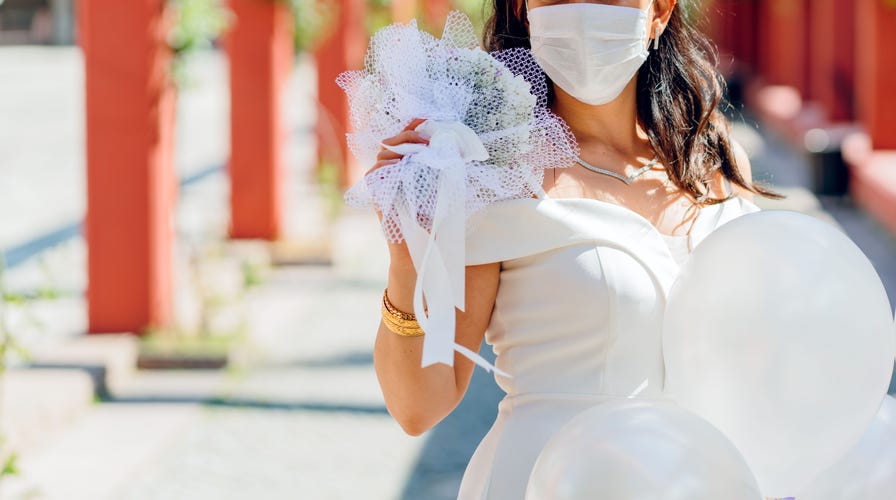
point(256, 404)
point(347, 360)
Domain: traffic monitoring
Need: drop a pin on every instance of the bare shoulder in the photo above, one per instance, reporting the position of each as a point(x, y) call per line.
point(746, 171)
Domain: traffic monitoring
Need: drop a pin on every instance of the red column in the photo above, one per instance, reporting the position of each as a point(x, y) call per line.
point(260, 47)
point(731, 25)
point(873, 159)
point(783, 40)
point(833, 57)
point(342, 48)
point(745, 29)
point(130, 110)
point(876, 70)
point(722, 27)
point(844, 70)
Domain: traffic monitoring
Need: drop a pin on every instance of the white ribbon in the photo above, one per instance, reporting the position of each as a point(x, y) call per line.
point(438, 255)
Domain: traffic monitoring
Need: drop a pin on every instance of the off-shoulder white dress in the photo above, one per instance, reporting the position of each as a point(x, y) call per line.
point(577, 318)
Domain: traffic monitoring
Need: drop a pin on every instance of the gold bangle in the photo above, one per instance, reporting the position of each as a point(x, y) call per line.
point(399, 322)
point(394, 310)
point(402, 327)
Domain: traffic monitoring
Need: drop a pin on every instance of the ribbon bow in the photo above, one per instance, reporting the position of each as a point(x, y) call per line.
point(439, 254)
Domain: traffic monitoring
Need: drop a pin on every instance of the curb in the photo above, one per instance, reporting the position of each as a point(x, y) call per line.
point(109, 360)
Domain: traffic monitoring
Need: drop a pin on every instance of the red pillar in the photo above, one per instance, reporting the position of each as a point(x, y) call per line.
point(343, 48)
point(722, 27)
point(745, 29)
point(783, 39)
point(731, 25)
point(832, 80)
point(130, 110)
point(873, 159)
point(876, 70)
point(260, 47)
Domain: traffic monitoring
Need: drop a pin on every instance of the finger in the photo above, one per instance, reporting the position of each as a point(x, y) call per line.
point(385, 154)
point(405, 137)
point(414, 123)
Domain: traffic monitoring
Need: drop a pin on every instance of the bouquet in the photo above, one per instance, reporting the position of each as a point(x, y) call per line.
point(491, 136)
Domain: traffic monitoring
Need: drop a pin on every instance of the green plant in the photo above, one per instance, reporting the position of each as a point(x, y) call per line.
point(475, 9)
point(253, 274)
point(220, 275)
point(9, 465)
point(312, 18)
point(379, 14)
point(197, 23)
point(209, 263)
point(9, 345)
point(173, 342)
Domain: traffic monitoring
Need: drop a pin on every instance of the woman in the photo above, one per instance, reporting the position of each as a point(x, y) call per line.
point(569, 287)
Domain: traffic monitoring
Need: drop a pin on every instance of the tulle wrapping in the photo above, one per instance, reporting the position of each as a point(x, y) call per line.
point(491, 137)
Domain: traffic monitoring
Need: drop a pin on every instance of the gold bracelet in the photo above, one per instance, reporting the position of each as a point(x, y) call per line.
point(401, 323)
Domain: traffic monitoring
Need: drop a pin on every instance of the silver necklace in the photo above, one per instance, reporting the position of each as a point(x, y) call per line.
point(627, 180)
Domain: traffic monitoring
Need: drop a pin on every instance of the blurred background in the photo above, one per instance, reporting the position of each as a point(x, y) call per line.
point(188, 308)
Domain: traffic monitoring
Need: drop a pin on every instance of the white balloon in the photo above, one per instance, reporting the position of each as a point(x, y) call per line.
point(636, 449)
point(778, 332)
point(868, 471)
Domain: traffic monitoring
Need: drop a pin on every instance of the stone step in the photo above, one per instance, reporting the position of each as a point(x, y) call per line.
point(110, 360)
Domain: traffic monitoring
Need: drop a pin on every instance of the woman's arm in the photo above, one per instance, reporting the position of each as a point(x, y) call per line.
point(419, 398)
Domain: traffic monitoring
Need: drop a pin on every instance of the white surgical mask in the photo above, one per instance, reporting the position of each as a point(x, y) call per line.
point(591, 51)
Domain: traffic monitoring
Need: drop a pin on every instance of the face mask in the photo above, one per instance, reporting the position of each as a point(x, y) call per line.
point(591, 51)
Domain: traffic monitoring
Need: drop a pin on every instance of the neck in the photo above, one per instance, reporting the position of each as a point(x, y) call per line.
point(613, 125)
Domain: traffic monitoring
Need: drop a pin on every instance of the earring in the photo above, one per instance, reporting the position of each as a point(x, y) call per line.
point(656, 38)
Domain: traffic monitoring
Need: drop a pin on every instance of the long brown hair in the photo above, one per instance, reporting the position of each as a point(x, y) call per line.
point(680, 93)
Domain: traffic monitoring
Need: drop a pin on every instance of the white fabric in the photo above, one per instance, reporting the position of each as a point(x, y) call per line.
point(577, 319)
point(491, 136)
point(679, 247)
point(590, 50)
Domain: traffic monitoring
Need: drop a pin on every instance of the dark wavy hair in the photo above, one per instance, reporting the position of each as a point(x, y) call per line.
point(680, 93)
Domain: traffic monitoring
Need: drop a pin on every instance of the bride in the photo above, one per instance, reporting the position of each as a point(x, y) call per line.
point(569, 287)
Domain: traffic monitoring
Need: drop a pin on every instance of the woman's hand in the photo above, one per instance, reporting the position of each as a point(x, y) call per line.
point(398, 251)
point(386, 157)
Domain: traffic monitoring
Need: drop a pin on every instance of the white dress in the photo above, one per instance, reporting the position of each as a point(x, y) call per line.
point(577, 318)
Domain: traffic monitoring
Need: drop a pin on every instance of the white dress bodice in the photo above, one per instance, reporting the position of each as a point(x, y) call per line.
point(577, 318)
point(679, 247)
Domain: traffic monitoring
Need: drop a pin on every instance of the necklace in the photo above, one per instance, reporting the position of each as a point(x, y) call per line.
point(627, 180)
